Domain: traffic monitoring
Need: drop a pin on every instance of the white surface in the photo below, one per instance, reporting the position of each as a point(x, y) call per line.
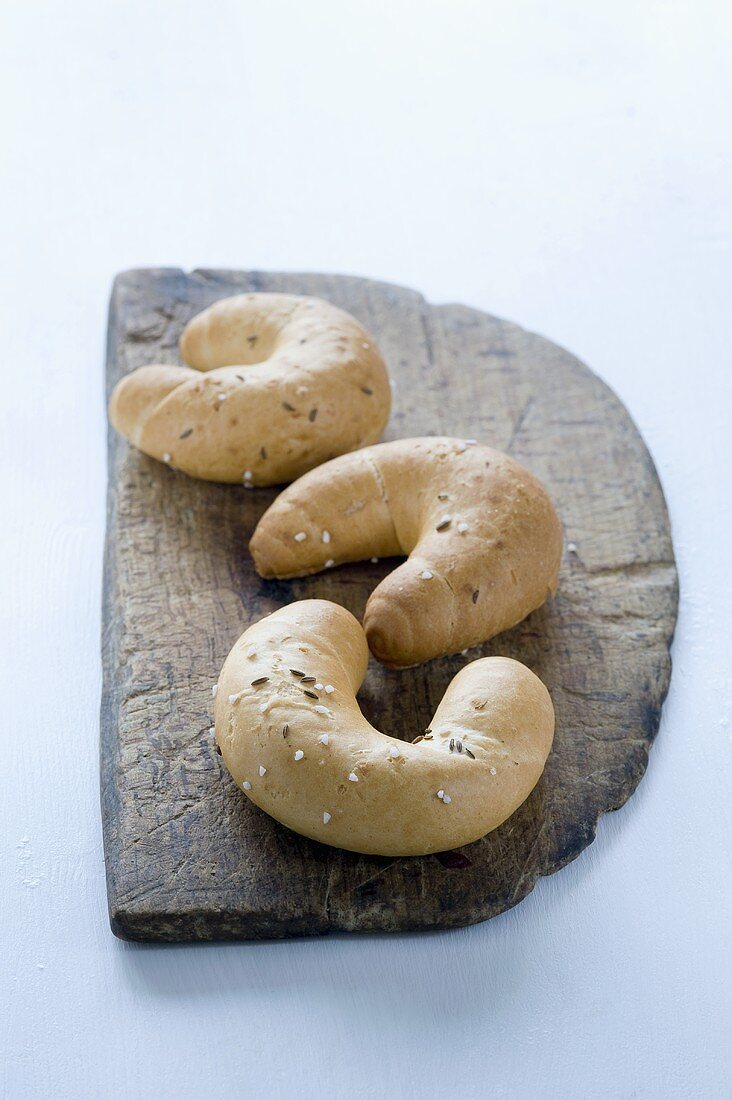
point(565, 165)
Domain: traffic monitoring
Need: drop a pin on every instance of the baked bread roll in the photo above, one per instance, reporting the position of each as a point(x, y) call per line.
point(280, 384)
point(483, 540)
point(294, 739)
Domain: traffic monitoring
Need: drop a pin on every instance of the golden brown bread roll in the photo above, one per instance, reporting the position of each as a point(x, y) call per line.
point(483, 540)
point(293, 737)
point(281, 383)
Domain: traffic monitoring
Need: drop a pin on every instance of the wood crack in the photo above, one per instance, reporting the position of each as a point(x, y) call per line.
point(519, 424)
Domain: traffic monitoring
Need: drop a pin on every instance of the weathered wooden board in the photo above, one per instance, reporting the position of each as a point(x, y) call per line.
point(188, 857)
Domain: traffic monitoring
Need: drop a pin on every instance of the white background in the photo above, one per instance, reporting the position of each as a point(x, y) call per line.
point(566, 165)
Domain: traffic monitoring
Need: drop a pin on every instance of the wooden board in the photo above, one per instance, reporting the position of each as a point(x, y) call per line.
point(188, 857)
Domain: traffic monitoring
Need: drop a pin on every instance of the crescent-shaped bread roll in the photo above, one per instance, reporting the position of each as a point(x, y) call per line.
point(294, 739)
point(483, 539)
point(281, 383)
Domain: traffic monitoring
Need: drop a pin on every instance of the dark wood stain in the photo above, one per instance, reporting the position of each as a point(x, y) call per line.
point(188, 858)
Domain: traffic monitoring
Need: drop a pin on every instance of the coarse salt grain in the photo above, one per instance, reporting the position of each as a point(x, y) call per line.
point(318, 687)
point(263, 707)
point(329, 564)
point(426, 575)
point(299, 754)
point(247, 475)
point(326, 817)
point(440, 794)
point(166, 457)
point(262, 771)
point(320, 709)
point(326, 537)
point(232, 698)
point(493, 771)
point(394, 753)
point(247, 785)
point(251, 652)
point(353, 777)
point(324, 738)
point(214, 689)
point(572, 547)
point(446, 798)
point(329, 689)
point(300, 536)
point(221, 396)
point(462, 528)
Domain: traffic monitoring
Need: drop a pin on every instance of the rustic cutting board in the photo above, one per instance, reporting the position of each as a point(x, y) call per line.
point(188, 857)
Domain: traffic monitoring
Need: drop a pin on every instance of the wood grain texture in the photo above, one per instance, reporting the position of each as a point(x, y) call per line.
point(187, 856)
